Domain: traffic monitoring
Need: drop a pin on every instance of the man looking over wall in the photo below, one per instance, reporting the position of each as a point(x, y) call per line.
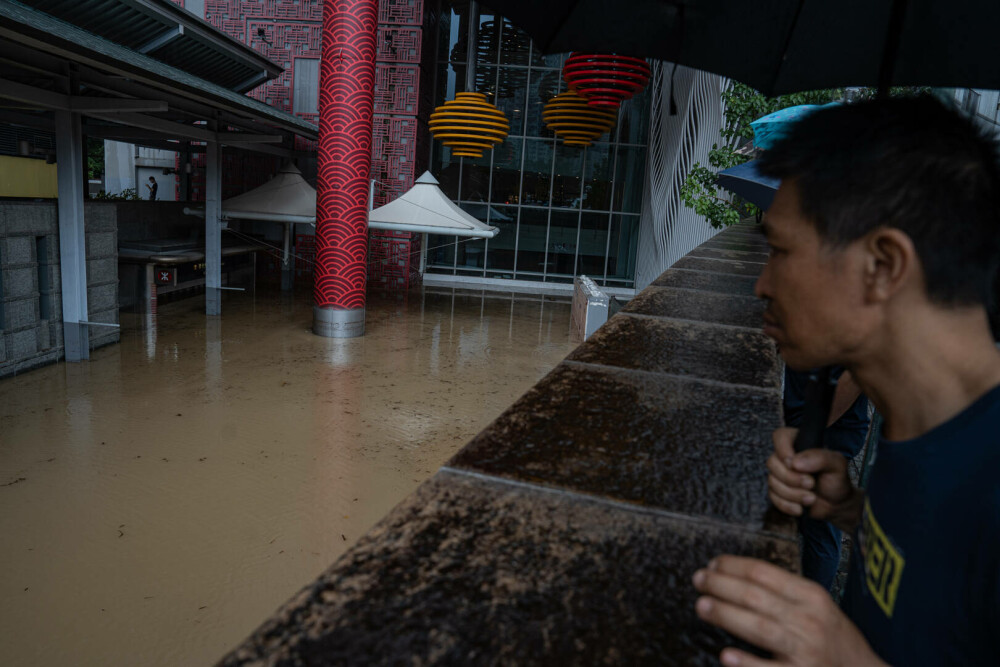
point(885, 246)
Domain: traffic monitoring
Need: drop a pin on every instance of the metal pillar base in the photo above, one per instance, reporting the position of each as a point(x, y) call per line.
point(338, 323)
point(287, 278)
point(213, 301)
point(76, 341)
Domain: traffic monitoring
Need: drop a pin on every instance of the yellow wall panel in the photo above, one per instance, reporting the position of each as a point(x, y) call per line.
point(27, 177)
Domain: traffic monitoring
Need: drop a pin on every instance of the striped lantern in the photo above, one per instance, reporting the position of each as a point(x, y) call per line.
point(605, 80)
point(574, 121)
point(469, 125)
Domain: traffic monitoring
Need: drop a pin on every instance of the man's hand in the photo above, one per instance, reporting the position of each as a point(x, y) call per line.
point(815, 479)
point(793, 618)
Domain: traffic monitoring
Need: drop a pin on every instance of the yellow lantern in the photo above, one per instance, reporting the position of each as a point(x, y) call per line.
point(574, 121)
point(469, 125)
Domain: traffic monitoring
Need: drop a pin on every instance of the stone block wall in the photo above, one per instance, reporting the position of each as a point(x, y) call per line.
point(31, 331)
point(567, 531)
point(101, 224)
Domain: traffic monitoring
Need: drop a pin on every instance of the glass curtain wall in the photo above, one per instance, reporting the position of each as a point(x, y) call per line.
point(561, 210)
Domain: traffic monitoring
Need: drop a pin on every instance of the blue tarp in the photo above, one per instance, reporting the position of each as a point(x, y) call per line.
point(767, 130)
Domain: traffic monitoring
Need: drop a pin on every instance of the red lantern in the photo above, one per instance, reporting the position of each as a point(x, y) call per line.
point(605, 80)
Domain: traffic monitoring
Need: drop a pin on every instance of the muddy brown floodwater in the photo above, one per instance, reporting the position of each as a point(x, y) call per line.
point(160, 501)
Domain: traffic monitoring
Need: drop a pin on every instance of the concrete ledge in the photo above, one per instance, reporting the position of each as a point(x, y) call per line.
point(469, 570)
point(567, 531)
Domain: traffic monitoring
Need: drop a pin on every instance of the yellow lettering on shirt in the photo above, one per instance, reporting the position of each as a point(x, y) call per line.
point(883, 563)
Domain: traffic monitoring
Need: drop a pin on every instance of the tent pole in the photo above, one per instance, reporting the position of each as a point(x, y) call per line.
point(423, 254)
point(287, 278)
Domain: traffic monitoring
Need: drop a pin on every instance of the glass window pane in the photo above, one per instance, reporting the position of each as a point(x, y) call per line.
point(566, 180)
point(500, 249)
point(486, 82)
point(445, 169)
point(451, 80)
point(555, 60)
point(531, 239)
point(545, 84)
point(507, 172)
point(597, 178)
point(562, 242)
point(479, 211)
point(471, 253)
point(453, 33)
point(629, 177)
point(440, 250)
point(511, 93)
point(623, 242)
point(536, 181)
point(475, 178)
point(488, 37)
point(514, 45)
point(633, 119)
point(593, 244)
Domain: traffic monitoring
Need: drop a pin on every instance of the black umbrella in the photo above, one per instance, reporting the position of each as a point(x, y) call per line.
point(782, 46)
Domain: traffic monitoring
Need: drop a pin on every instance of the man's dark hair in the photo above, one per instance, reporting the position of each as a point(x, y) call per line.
point(908, 163)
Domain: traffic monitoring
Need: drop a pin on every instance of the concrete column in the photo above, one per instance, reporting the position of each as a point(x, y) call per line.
point(72, 236)
point(213, 229)
point(347, 86)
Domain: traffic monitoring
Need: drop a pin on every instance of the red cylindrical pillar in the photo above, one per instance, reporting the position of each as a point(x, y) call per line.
point(346, 92)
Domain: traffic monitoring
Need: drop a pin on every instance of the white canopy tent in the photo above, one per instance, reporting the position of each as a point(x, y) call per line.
point(423, 209)
point(287, 198)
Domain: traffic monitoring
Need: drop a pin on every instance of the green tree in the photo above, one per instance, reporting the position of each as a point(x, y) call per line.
point(95, 158)
point(743, 105)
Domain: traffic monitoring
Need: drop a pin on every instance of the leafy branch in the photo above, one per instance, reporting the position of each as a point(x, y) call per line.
point(743, 105)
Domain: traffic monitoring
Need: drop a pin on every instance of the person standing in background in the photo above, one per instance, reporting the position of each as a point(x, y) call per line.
point(152, 186)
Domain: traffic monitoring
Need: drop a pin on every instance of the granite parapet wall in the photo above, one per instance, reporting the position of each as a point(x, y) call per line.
point(568, 530)
point(31, 330)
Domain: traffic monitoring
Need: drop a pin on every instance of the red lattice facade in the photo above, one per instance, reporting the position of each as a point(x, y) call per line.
point(394, 260)
point(289, 30)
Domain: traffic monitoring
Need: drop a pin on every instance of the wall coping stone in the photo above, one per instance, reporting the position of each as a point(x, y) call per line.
point(569, 528)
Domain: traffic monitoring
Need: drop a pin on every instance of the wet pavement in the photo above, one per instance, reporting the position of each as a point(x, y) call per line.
point(160, 501)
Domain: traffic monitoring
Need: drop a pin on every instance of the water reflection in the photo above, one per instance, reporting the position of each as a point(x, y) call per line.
point(160, 501)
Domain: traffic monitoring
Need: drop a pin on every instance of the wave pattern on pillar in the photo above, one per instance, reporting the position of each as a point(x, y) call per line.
point(347, 85)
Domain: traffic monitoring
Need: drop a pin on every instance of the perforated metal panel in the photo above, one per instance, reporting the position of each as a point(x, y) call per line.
point(398, 44)
point(668, 229)
point(396, 89)
point(392, 156)
point(401, 12)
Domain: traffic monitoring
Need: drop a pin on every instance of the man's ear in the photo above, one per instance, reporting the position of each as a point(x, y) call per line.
point(890, 262)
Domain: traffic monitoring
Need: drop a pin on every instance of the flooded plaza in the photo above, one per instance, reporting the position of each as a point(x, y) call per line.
point(160, 501)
